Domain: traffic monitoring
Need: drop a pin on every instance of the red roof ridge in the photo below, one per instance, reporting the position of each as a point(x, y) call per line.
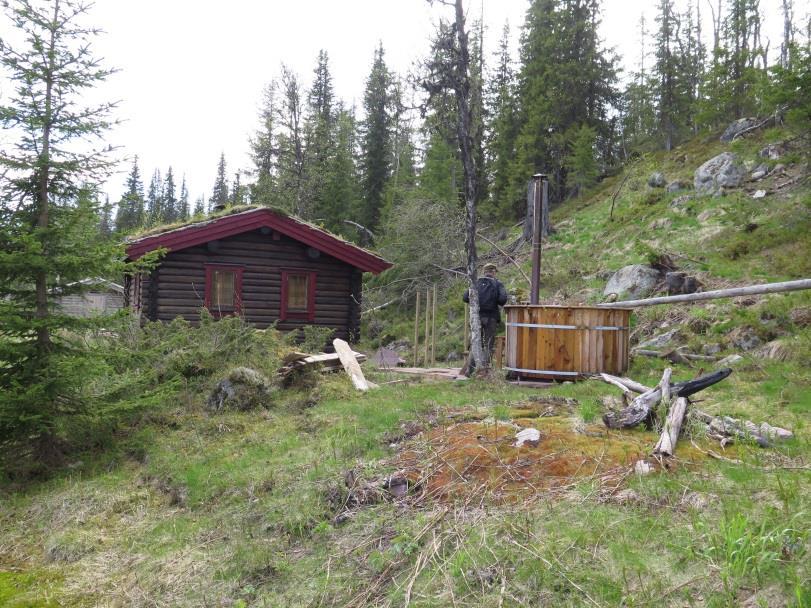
point(212, 228)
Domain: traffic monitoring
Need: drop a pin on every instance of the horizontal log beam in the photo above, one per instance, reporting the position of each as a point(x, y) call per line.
point(714, 295)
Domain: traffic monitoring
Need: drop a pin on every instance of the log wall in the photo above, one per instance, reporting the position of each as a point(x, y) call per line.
point(177, 287)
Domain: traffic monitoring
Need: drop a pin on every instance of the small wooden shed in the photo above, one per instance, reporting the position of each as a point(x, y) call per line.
point(256, 262)
point(101, 297)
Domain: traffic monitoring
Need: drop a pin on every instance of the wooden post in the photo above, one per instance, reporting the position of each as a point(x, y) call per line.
point(433, 329)
point(427, 323)
point(535, 277)
point(417, 332)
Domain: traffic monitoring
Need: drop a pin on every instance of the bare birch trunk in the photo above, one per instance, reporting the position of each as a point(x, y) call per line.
point(463, 131)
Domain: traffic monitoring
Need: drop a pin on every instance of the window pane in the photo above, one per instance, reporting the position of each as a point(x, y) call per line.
point(222, 291)
point(297, 285)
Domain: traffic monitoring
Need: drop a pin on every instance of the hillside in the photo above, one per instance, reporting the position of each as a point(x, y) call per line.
point(304, 503)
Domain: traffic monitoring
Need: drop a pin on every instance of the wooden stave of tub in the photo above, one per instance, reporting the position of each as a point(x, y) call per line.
point(572, 341)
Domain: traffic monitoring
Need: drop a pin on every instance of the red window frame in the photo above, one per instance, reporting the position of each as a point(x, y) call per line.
point(303, 315)
point(237, 270)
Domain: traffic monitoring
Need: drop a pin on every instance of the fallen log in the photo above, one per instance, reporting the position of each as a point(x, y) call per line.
point(625, 383)
point(714, 295)
point(640, 408)
point(727, 429)
point(666, 446)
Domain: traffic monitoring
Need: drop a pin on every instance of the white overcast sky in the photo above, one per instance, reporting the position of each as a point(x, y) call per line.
point(192, 71)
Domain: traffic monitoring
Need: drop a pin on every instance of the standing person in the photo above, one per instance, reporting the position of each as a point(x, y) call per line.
point(492, 294)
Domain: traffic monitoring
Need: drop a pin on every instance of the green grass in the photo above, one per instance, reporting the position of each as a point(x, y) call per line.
point(194, 509)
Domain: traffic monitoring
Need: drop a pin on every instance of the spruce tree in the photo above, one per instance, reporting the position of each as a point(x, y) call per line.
point(376, 140)
point(200, 207)
point(183, 202)
point(501, 129)
point(290, 145)
point(341, 191)
point(567, 78)
point(264, 151)
point(131, 206)
point(581, 164)
point(154, 200)
point(48, 220)
point(171, 212)
point(219, 193)
point(319, 130)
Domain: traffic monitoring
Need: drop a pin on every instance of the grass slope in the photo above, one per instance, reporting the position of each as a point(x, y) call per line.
point(239, 509)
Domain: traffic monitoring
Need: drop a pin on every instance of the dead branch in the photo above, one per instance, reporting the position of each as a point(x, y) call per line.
point(506, 255)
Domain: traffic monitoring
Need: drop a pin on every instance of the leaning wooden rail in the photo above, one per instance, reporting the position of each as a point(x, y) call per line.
point(714, 295)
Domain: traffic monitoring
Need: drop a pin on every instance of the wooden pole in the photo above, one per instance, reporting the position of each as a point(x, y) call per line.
point(417, 332)
point(733, 292)
point(427, 323)
point(433, 330)
point(535, 276)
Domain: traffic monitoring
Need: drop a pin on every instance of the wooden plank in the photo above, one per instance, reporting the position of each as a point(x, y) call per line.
point(351, 365)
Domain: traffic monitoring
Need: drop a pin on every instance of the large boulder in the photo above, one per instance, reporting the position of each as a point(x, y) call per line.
point(722, 171)
point(738, 127)
point(243, 389)
point(634, 281)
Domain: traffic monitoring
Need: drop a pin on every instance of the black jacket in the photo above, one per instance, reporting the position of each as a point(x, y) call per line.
point(492, 313)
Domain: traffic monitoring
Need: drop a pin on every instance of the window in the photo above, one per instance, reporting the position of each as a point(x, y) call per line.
point(298, 295)
point(223, 289)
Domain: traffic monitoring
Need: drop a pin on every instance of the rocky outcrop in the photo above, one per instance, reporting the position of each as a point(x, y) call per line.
point(738, 127)
point(634, 281)
point(676, 185)
point(243, 389)
point(722, 171)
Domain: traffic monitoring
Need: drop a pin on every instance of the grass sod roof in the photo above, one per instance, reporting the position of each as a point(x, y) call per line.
point(167, 230)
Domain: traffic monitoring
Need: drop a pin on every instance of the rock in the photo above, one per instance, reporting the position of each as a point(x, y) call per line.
point(635, 281)
point(680, 202)
point(676, 185)
point(775, 432)
point(760, 172)
point(656, 180)
point(730, 360)
point(773, 151)
point(737, 127)
point(661, 340)
point(662, 222)
point(722, 171)
point(711, 349)
point(745, 339)
point(759, 194)
point(642, 468)
point(801, 317)
point(243, 389)
point(527, 436)
point(679, 283)
point(778, 169)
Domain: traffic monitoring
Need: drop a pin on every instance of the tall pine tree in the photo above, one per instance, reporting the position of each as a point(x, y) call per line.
point(131, 206)
point(219, 193)
point(376, 141)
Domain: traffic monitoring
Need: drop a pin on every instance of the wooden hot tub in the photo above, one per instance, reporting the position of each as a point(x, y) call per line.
point(564, 342)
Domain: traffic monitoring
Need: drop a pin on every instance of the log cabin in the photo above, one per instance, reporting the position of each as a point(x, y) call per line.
point(256, 262)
